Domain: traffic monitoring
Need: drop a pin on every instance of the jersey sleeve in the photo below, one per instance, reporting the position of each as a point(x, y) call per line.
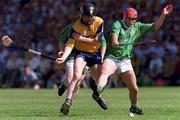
point(116, 26)
point(64, 34)
point(100, 29)
point(145, 27)
point(103, 42)
point(70, 43)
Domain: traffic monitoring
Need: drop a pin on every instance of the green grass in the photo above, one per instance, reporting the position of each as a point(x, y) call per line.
point(29, 104)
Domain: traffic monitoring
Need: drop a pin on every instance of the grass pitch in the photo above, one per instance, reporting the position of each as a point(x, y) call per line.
point(44, 104)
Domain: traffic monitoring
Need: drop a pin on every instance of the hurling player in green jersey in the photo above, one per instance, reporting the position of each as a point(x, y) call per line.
point(119, 51)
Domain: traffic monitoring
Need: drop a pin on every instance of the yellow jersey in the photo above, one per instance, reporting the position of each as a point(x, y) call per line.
point(95, 31)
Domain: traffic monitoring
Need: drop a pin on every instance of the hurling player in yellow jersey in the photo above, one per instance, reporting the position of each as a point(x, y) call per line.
point(85, 39)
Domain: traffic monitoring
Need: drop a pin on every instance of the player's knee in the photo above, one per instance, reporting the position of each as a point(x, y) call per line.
point(69, 79)
point(77, 76)
point(134, 89)
point(104, 72)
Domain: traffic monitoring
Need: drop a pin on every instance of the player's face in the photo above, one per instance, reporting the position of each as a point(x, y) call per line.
point(130, 21)
point(88, 19)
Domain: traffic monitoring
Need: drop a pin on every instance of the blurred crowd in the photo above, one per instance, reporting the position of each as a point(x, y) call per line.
point(37, 24)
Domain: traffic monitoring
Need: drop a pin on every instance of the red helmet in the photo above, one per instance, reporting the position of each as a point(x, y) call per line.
point(130, 12)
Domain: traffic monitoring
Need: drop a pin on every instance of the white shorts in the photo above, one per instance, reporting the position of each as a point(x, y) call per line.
point(123, 65)
point(70, 64)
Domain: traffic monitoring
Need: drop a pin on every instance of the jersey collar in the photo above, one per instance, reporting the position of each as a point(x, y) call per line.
point(124, 25)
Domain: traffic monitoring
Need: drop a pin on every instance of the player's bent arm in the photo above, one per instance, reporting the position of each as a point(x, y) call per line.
point(83, 38)
point(61, 46)
point(89, 40)
point(103, 48)
point(67, 51)
point(159, 22)
point(103, 51)
point(167, 10)
point(61, 49)
point(114, 40)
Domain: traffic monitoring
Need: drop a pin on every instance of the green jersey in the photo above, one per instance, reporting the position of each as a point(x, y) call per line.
point(64, 34)
point(125, 35)
point(103, 42)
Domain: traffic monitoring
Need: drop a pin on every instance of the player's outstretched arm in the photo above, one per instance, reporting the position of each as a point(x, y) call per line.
point(166, 11)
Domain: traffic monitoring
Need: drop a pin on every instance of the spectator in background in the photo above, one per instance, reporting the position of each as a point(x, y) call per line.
point(176, 76)
point(155, 67)
point(13, 72)
point(39, 21)
point(168, 68)
point(30, 78)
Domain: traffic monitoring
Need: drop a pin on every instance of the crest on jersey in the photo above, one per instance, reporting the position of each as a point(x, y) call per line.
point(132, 32)
point(122, 31)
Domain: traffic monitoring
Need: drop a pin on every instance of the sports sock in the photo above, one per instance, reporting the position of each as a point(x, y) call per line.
point(64, 86)
point(134, 105)
point(100, 88)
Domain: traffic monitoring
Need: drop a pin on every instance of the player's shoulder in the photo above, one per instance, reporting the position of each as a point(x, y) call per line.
point(77, 23)
point(117, 23)
point(98, 19)
point(139, 24)
point(68, 27)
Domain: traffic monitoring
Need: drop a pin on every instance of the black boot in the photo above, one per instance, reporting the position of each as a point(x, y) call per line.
point(66, 106)
point(96, 95)
point(61, 90)
point(136, 110)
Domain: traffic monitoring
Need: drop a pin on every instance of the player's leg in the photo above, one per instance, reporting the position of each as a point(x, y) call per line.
point(129, 78)
point(79, 83)
point(79, 65)
point(96, 95)
point(106, 69)
point(69, 76)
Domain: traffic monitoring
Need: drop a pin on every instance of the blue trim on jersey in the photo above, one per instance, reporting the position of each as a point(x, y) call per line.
point(100, 37)
point(100, 28)
point(66, 39)
point(71, 32)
